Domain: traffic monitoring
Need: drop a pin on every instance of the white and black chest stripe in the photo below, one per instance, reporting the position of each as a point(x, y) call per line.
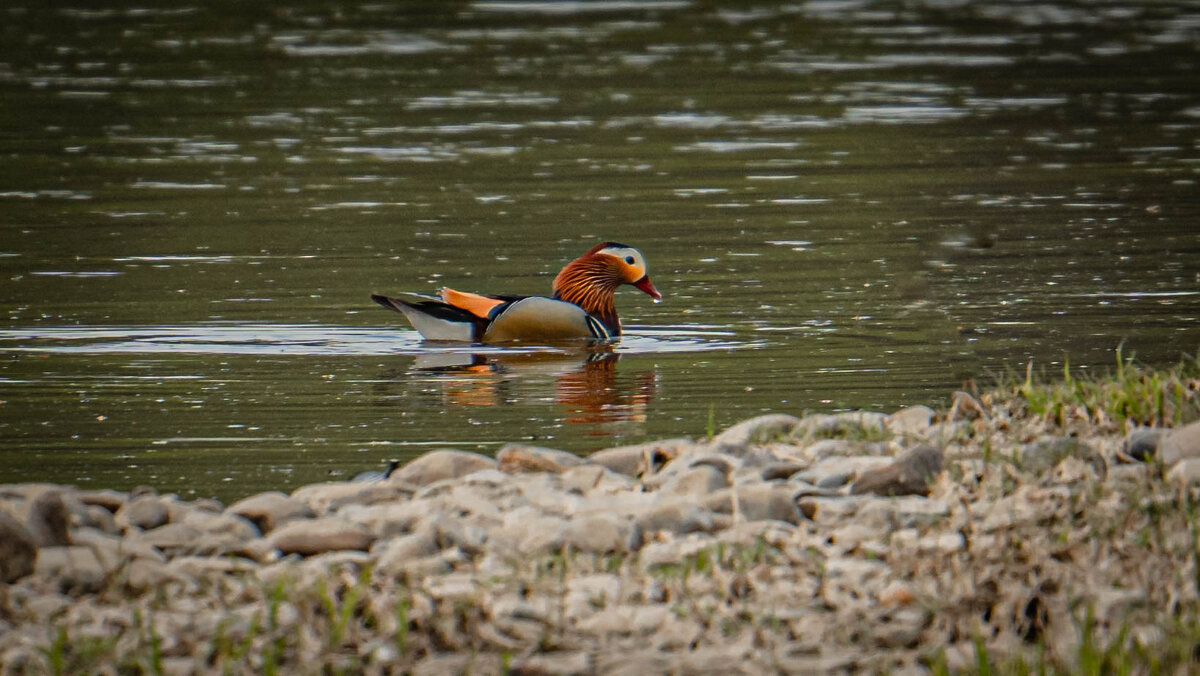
point(538, 318)
point(599, 330)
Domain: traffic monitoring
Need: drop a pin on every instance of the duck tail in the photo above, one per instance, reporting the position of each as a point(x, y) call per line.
point(436, 320)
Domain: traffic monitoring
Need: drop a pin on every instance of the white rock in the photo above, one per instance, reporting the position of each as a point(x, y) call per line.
point(913, 420)
point(1179, 444)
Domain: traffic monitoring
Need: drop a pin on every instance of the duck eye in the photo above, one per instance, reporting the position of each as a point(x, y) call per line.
point(629, 260)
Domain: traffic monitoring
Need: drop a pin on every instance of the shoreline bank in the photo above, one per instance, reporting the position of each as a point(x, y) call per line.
point(913, 542)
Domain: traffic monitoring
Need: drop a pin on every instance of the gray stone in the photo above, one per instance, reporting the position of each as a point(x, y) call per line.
point(1186, 471)
point(322, 497)
point(626, 460)
point(98, 517)
point(48, 519)
point(1046, 453)
point(641, 459)
point(144, 512)
point(835, 469)
point(206, 504)
point(372, 493)
point(1180, 443)
point(320, 535)
point(908, 511)
point(698, 480)
point(559, 663)
point(172, 539)
point(521, 458)
point(108, 499)
point(910, 474)
point(740, 438)
point(676, 516)
point(914, 420)
point(144, 575)
point(782, 470)
point(602, 534)
point(903, 628)
point(257, 549)
point(833, 481)
point(828, 510)
point(389, 520)
point(850, 423)
point(70, 570)
point(396, 553)
point(18, 553)
point(113, 551)
point(757, 502)
point(453, 532)
point(441, 464)
point(1142, 443)
point(833, 448)
point(350, 560)
point(232, 525)
point(268, 511)
point(526, 532)
point(588, 478)
point(192, 567)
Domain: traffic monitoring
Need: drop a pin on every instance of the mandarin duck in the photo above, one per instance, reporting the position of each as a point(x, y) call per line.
point(582, 306)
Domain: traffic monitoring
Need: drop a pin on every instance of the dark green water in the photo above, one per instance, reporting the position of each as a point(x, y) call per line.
point(846, 205)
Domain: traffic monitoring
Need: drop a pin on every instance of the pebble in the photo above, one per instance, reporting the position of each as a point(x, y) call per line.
point(909, 474)
point(782, 470)
point(602, 534)
point(560, 663)
point(144, 575)
point(145, 512)
point(696, 481)
point(849, 423)
point(47, 520)
point(72, 570)
point(322, 498)
point(742, 437)
point(172, 539)
point(113, 552)
point(316, 536)
point(441, 464)
point(394, 554)
point(1142, 443)
point(99, 518)
point(270, 510)
point(1046, 453)
point(521, 458)
point(640, 459)
point(676, 516)
point(910, 421)
point(1186, 472)
point(18, 551)
point(839, 470)
point(1179, 444)
point(225, 524)
point(108, 499)
point(756, 502)
point(595, 479)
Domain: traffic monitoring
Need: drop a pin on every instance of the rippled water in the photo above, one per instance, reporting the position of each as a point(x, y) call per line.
point(846, 204)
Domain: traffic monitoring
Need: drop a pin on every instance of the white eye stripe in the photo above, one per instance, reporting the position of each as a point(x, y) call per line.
point(629, 256)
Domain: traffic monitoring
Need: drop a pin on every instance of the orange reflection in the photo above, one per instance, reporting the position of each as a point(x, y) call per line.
point(592, 395)
point(586, 385)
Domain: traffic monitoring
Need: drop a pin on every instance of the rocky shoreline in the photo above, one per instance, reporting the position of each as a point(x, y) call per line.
point(908, 542)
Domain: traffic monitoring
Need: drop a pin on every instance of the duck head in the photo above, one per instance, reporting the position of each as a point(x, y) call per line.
point(591, 280)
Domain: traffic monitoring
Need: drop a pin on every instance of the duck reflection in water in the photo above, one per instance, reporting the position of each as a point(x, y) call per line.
point(586, 383)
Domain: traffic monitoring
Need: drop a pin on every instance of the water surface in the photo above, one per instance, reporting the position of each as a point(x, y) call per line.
point(846, 205)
